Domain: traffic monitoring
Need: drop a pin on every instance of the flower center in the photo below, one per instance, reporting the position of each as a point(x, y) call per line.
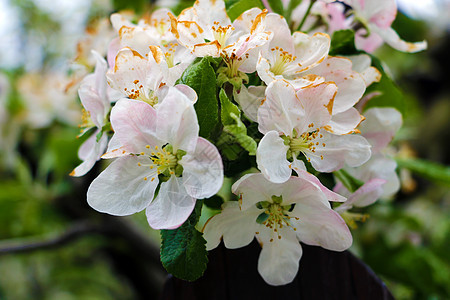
point(308, 141)
point(275, 215)
point(221, 33)
point(170, 53)
point(164, 160)
point(138, 93)
point(282, 60)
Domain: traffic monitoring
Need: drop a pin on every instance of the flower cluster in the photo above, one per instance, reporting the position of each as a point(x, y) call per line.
point(280, 102)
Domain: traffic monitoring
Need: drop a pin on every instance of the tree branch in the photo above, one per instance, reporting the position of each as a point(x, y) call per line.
point(73, 233)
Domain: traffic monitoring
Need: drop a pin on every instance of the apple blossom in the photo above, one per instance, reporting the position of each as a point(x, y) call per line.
point(295, 122)
point(279, 215)
point(157, 147)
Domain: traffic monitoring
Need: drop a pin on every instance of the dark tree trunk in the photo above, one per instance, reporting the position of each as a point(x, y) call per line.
point(323, 274)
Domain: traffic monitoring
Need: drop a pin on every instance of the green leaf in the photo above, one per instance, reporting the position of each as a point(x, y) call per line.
point(276, 6)
point(241, 6)
point(239, 132)
point(343, 43)
point(227, 108)
point(390, 94)
point(201, 77)
point(350, 182)
point(183, 250)
point(427, 169)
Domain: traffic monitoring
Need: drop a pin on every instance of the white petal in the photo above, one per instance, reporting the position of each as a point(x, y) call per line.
point(391, 37)
point(345, 122)
point(318, 104)
point(311, 51)
point(271, 158)
point(380, 126)
point(129, 73)
point(319, 225)
point(171, 207)
point(281, 111)
point(362, 64)
point(339, 150)
point(202, 170)
point(254, 188)
point(90, 152)
point(250, 100)
point(279, 260)
point(236, 226)
point(121, 189)
point(177, 121)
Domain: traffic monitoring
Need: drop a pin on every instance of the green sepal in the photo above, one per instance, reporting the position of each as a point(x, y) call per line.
point(236, 81)
point(227, 108)
point(183, 250)
point(262, 218)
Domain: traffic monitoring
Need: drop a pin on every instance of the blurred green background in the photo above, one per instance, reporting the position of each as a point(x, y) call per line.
point(406, 240)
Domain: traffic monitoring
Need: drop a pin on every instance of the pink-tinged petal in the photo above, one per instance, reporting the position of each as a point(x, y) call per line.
point(237, 227)
point(90, 152)
point(202, 170)
point(380, 126)
point(250, 100)
point(345, 122)
point(335, 151)
point(368, 44)
point(121, 189)
point(129, 73)
point(367, 194)
point(134, 125)
point(380, 12)
point(113, 48)
point(281, 111)
point(392, 39)
point(93, 94)
point(319, 225)
point(318, 104)
point(279, 260)
point(271, 158)
point(362, 64)
point(381, 167)
point(171, 207)
point(310, 51)
point(177, 121)
point(254, 188)
point(299, 167)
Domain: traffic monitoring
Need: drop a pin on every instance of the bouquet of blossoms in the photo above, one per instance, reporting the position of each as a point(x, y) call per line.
point(249, 113)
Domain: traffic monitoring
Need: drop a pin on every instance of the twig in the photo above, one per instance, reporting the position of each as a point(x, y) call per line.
point(74, 232)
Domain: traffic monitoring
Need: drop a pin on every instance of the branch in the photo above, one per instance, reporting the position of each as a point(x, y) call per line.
point(74, 232)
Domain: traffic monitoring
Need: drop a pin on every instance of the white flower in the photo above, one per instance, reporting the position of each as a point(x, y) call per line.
point(96, 97)
point(295, 122)
point(157, 147)
point(279, 215)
